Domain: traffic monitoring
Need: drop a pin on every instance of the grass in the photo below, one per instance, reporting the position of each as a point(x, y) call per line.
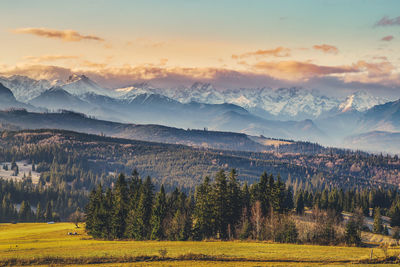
point(32, 243)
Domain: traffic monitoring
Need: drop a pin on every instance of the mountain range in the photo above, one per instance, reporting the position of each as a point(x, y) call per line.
point(287, 113)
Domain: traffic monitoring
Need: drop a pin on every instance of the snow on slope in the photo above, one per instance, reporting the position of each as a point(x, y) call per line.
point(81, 84)
point(360, 101)
point(284, 103)
point(24, 88)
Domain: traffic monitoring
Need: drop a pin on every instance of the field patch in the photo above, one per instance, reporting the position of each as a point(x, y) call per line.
point(41, 243)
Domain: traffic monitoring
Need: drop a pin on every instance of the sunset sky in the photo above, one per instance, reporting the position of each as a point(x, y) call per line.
point(324, 44)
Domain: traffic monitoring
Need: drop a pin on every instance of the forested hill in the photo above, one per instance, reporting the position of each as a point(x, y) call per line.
point(80, 161)
point(67, 120)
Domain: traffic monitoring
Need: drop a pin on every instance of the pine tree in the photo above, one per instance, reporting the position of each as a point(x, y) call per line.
point(353, 232)
point(300, 203)
point(138, 221)
point(378, 227)
point(203, 212)
point(48, 214)
point(25, 212)
point(220, 197)
point(234, 202)
point(158, 216)
point(120, 207)
point(97, 223)
point(39, 213)
point(395, 215)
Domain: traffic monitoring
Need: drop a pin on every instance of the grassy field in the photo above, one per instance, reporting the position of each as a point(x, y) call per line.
point(49, 243)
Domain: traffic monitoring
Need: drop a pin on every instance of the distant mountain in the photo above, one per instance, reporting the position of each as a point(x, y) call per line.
point(360, 101)
point(20, 119)
point(8, 100)
point(6, 94)
point(81, 84)
point(24, 88)
point(385, 117)
point(57, 98)
point(351, 124)
point(280, 104)
point(289, 113)
point(375, 141)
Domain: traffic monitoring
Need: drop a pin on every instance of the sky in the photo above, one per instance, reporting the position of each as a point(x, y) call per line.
point(332, 45)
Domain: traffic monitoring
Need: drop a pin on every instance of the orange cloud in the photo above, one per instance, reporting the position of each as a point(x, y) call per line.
point(37, 71)
point(379, 69)
point(95, 65)
point(327, 48)
point(387, 38)
point(47, 58)
point(65, 35)
point(260, 74)
point(277, 52)
point(298, 70)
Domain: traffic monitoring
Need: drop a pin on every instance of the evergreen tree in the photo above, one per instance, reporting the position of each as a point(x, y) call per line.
point(25, 212)
point(120, 207)
point(158, 216)
point(300, 203)
point(48, 214)
point(352, 233)
point(139, 227)
point(39, 213)
point(395, 215)
point(203, 213)
point(220, 198)
point(234, 201)
point(378, 227)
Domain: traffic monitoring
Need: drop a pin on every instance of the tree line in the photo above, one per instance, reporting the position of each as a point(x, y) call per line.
point(218, 209)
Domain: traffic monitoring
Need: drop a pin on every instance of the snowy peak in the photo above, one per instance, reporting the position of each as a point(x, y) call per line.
point(80, 84)
point(202, 87)
point(25, 88)
point(360, 101)
point(75, 77)
point(133, 91)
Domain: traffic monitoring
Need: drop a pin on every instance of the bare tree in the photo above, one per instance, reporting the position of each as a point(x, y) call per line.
point(257, 218)
point(77, 217)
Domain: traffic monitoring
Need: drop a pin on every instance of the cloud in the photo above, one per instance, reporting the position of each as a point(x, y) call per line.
point(277, 52)
point(37, 71)
point(145, 42)
point(91, 64)
point(373, 75)
point(386, 21)
point(48, 58)
point(327, 48)
point(300, 70)
point(65, 35)
point(387, 38)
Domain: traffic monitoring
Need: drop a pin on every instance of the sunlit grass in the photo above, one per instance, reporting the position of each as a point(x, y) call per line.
point(39, 240)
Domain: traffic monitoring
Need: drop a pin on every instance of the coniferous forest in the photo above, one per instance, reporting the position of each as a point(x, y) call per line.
point(223, 209)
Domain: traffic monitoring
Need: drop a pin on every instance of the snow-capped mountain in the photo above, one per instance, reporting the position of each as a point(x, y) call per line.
point(284, 103)
point(293, 113)
point(25, 88)
point(80, 84)
point(360, 101)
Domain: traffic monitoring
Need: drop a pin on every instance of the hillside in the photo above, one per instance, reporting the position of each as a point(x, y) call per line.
point(183, 166)
point(67, 120)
